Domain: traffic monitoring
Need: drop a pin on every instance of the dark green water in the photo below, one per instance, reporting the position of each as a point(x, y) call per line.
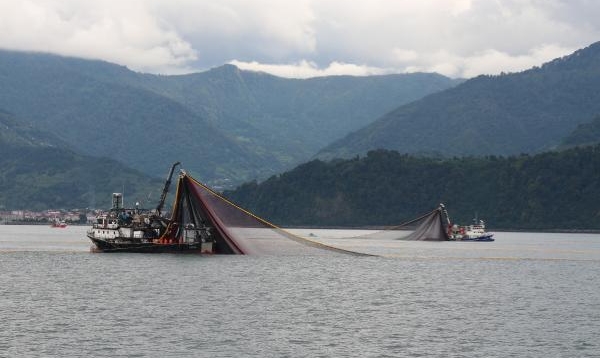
point(525, 295)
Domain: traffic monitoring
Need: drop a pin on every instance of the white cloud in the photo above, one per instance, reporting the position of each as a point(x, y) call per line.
point(493, 61)
point(405, 56)
point(258, 30)
point(124, 32)
point(460, 38)
point(488, 62)
point(307, 69)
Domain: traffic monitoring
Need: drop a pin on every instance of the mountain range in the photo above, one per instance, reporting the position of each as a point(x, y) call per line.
point(40, 172)
point(73, 128)
point(222, 124)
point(526, 112)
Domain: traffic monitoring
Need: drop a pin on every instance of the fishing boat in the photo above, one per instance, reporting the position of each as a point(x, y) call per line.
point(57, 223)
point(201, 221)
point(134, 229)
point(473, 232)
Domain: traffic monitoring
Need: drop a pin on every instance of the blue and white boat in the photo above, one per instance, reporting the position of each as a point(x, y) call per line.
point(476, 232)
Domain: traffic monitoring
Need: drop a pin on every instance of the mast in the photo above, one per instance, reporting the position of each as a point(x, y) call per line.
point(163, 196)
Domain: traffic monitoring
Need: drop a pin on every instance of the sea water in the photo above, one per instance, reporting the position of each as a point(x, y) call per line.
point(524, 295)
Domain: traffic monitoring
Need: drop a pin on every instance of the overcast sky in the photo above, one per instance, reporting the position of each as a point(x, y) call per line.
point(306, 38)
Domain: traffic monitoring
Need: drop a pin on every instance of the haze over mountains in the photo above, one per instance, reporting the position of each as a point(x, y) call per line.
point(40, 172)
point(526, 112)
point(222, 124)
point(228, 126)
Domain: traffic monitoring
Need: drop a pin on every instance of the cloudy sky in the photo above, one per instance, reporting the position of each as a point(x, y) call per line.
point(306, 38)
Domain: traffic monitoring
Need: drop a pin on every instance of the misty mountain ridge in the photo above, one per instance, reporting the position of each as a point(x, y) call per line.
point(222, 123)
point(20, 133)
point(229, 123)
point(584, 134)
point(40, 172)
point(526, 112)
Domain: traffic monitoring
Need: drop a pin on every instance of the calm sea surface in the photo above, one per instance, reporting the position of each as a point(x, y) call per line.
point(524, 295)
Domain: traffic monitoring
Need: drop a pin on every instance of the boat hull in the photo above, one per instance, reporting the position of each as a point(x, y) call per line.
point(483, 238)
point(139, 247)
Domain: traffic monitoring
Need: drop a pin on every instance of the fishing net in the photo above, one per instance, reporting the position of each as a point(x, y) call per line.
point(198, 210)
point(428, 227)
point(233, 229)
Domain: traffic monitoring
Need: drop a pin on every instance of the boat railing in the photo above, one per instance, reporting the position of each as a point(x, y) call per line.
point(105, 226)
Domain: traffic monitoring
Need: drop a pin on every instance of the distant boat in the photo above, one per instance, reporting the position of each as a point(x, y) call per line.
point(57, 223)
point(473, 232)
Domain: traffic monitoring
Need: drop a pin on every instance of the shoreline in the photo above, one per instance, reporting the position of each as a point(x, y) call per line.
point(378, 228)
point(17, 223)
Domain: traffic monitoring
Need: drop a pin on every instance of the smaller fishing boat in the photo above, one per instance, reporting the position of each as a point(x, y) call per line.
point(474, 232)
point(57, 223)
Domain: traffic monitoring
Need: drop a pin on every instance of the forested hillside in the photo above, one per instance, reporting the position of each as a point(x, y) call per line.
point(70, 99)
point(549, 191)
point(39, 172)
point(584, 134)
point(223, 124)
point(526, 112)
